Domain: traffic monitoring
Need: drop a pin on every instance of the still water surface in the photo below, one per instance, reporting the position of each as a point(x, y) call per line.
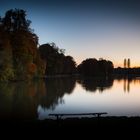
point(37, 99)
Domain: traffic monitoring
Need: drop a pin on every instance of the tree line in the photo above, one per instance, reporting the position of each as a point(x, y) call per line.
point(22, 58)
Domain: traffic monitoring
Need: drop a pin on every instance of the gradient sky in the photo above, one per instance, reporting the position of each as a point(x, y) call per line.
point(86, 28)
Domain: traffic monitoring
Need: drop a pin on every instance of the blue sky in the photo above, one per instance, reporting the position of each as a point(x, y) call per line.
point(99, 28)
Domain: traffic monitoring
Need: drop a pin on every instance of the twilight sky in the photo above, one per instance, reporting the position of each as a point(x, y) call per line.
point(86, 28)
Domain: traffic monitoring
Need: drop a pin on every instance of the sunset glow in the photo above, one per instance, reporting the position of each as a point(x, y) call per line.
point(90, 29)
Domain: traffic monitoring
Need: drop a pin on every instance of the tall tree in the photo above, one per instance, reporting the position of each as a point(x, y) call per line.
point(15, 20)
point(125, 63)
point(128, 63)
point(26, 61)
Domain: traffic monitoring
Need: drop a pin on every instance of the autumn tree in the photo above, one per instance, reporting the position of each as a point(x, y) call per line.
point(26, 61)
point(6, 62)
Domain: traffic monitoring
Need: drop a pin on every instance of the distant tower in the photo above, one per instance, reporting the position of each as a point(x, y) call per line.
point(128, 63)
point(124, 63)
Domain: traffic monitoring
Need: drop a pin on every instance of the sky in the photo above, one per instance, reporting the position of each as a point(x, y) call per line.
point(108, 29)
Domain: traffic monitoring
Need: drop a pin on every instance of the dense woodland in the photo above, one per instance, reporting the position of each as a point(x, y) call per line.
point(22, 58)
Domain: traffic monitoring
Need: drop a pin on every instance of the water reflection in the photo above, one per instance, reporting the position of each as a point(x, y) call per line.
point(55, 88)
point(17, 101)
point(127, 82)
point(126, 85)
point(93, 84)
point(21, 100)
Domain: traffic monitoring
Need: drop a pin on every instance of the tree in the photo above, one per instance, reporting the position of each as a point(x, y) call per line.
point(6, 62)
point(15, 20)
point(56, 61)
point(124, 63)
point(22, 53)
point(93, 67)
point(88, 67)
point(69, 65)
point(128, 63)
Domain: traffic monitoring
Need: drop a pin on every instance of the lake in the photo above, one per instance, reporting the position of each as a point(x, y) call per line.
point(37, 99)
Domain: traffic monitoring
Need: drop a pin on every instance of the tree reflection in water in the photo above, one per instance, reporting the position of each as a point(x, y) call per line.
point(93, 84)
point(55, 90)
point(20, 100)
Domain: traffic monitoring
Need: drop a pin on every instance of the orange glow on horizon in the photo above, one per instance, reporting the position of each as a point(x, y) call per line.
point(117, 64)
point(132, 65)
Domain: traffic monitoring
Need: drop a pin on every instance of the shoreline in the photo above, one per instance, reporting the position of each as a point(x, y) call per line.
point(74, 125)
point(76, 121)
point(114, 76)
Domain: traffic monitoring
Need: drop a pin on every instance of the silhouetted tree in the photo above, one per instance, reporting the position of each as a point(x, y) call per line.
point(15, 20)
point(124, 63)
point(128, 63)
point(69, 65)
point(93, 67)
point(56, 61)
point(88, 67)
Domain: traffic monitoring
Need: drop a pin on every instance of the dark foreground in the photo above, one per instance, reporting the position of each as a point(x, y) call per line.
point(113, 127)
point(80, 123)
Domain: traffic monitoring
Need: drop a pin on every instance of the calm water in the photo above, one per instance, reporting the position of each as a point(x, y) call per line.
point(35, 100)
